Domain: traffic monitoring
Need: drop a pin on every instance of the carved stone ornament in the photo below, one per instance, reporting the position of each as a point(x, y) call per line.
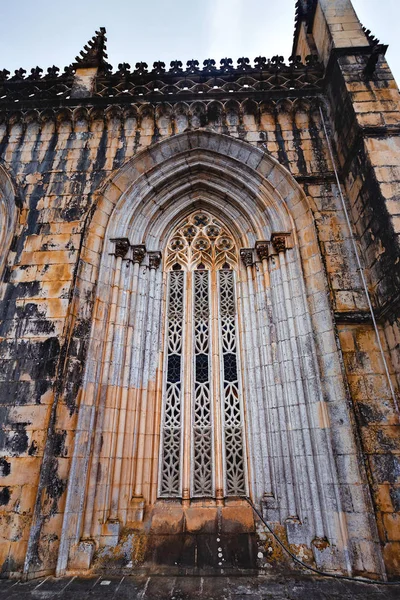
point(279, 241)
point(121, 247)
point(262, 249)
point(138, 253)
point(154, 260)
point(246, 254)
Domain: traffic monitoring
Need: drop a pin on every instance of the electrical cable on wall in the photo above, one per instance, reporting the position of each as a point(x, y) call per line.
point(308, 567)
point(360, 266)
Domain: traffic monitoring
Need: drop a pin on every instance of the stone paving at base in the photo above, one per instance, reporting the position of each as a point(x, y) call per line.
point(141, 587)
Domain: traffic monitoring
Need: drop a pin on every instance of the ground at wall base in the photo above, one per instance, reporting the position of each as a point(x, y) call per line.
point(278, 586)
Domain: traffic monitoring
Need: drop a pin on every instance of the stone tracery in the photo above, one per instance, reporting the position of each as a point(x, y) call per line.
point(201, 239)
point(205, 249)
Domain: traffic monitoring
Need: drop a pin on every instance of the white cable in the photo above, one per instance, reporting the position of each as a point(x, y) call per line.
point(360, 267)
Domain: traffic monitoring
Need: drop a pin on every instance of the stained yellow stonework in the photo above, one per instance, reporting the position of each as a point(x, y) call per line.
point(97, 170)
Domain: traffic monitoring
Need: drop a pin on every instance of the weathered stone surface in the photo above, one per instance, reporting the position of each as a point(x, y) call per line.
point(81, 315)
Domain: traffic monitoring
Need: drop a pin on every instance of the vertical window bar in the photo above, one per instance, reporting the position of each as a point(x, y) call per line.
point(235, 482)
point(172, 411)
point(202, 444)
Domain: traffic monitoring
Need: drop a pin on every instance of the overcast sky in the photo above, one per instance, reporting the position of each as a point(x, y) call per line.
point(47, 32)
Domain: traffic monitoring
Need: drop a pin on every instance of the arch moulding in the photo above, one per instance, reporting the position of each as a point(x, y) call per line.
point(8, 215)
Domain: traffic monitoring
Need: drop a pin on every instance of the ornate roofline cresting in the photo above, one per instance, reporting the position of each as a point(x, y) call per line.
point(261, 79)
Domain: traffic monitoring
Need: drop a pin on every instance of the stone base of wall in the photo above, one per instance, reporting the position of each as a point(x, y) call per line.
point(199, 539)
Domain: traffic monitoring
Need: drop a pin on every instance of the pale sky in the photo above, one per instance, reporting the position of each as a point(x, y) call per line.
point(47, 32)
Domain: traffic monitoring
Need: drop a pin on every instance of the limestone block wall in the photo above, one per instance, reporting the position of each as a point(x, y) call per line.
point(364, 105)
point(367, 142)
point(58, 165)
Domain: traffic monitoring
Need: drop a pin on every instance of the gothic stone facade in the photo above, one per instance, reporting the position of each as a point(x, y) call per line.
point(185, 259)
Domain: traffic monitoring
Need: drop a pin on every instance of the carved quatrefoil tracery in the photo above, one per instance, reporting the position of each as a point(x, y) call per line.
point(201, 240)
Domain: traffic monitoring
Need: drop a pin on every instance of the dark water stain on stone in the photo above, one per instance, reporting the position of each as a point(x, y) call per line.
point(5, 496)
point(33, 449)
point(59, 443)
point(283, 157)
point(17, 440)
point(55, 485)
point(5, 467)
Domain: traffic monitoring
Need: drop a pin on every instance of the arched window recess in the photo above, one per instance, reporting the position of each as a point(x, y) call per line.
point(203, 441)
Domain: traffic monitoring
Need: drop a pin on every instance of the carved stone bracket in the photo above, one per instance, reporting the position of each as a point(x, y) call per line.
point(262, 249)
point(246, 254)
point(154, 260)
point(121, 247)
point(279, 241)
point(138, 253)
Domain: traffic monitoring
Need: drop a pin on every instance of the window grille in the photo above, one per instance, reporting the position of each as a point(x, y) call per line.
point(201, 258)
point(172, 417)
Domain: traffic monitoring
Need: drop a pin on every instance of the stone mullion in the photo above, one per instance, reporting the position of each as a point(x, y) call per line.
point(313, 489)
point(187, 382)
point(144, 432)
point(216, 386)
point(258, 475)
point(284, 416)
point(266, 483)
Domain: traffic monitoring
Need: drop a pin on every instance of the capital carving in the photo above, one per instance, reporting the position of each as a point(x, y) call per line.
point(138, 253)
point(279, 241)
point(246, 254)
point(262, 249)
point(121, 247)
point(154, 260)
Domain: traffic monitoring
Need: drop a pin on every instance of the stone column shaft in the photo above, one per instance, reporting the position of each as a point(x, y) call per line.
point(145, 396)
point(92, 478)
point(284, 417)
point(265, 484)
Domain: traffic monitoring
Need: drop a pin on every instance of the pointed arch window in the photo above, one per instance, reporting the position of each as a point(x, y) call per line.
point(202, 438)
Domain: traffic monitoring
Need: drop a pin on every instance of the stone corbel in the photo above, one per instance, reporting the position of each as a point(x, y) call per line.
point(246, 254)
